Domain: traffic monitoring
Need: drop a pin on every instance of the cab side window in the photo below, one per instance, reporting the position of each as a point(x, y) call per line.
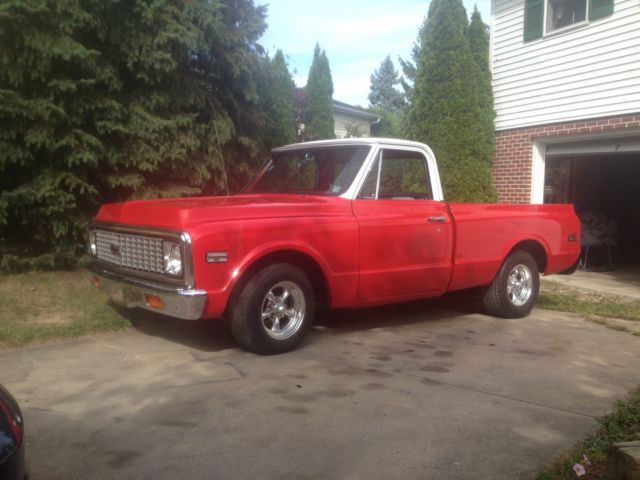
point(403, 175)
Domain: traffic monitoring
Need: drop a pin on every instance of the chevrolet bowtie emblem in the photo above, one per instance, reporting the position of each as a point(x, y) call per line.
point(115, 249)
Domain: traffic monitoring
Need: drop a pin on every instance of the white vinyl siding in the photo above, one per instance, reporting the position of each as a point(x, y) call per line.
point(343, 123)
point(585, 71)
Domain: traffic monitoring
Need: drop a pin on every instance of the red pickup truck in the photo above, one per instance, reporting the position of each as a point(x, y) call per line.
point(347, 223)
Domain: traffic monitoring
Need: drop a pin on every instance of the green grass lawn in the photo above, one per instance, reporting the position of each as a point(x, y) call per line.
point(622, 425)
point(556, 297)
point(40, 306)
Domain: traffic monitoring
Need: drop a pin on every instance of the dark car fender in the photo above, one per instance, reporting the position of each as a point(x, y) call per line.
point(12, 450)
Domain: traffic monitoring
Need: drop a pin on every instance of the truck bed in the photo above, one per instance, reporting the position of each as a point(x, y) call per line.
point(485, 233)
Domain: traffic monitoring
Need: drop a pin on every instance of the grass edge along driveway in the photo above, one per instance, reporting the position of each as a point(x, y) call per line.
point(41, 306)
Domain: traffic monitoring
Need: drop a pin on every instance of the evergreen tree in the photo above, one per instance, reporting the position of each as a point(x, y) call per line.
point(445, 104)
point(103, 101)
point(276, 94)
point(319, 122)
point(382, 92)
point(478, 35)
point(408, 67)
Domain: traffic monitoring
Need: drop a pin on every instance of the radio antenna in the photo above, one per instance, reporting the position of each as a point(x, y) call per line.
point(224, 171)
point(215, 127)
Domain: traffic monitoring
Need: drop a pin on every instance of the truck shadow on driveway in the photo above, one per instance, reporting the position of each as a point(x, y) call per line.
point(204, 335)
point(215, 335)
point(408, 313)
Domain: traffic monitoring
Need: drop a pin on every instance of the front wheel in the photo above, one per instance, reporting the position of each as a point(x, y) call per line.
point(274, 311)
point(514, 291)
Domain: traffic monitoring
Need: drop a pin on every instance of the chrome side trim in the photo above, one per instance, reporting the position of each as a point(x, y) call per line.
point(183, 303)
point(217, 257)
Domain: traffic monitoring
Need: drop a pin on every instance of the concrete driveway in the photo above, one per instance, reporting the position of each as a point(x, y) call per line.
point(428, 390)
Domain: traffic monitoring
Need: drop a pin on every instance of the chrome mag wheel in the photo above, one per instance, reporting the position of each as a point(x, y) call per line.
point(519, 285)
point(283, 310)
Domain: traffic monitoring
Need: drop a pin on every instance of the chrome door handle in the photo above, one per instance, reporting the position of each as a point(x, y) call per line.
point(439, 219)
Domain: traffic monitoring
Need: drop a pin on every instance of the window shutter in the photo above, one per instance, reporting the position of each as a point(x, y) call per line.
point(534, 18)
point(600, 8)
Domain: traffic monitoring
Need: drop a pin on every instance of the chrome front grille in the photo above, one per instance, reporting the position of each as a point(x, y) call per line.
point(137, 252)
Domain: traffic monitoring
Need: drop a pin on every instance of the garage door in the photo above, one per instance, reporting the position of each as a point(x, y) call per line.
point(602, 180)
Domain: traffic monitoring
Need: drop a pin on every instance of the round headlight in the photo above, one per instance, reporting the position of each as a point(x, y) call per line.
point(173, 260)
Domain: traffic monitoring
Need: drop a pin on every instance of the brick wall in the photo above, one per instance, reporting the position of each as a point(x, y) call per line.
point(512, 164)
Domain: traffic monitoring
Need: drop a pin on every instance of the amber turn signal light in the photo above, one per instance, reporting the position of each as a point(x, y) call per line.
point(153, 301)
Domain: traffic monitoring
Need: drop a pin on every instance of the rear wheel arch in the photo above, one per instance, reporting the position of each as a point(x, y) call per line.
point(533, 248)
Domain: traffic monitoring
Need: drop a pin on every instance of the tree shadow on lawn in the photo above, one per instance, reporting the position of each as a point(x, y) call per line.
point(215, 335)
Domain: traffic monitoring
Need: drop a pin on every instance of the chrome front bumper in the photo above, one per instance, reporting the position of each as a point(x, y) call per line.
point(183, 303)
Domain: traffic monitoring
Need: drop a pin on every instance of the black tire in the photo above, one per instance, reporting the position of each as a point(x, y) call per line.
point(289, 316)
point(515, 300)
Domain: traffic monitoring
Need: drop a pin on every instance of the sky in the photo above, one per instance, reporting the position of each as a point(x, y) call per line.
point(356, 35)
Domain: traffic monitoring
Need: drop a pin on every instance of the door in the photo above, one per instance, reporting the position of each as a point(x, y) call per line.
point(405, 236)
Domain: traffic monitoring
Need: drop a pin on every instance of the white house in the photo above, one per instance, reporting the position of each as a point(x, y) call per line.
point(566, 81)
point(352, 121)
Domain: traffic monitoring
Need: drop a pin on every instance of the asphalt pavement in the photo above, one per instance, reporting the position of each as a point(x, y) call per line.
point(427, 390)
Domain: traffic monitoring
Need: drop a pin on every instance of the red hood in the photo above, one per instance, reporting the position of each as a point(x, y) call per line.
point(180, 213)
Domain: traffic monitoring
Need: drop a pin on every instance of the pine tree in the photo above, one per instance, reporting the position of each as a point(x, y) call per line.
point(478, 35)
point(319, 123)
point(276, 94)
point(445, 104)
point(382, 91)
point(408, 67)
point(103, 101)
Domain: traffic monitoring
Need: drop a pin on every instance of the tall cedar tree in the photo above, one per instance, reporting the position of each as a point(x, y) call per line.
point(382, 90)
point(478, 34)
point(318, 116)
point(445, 105)
point(408, 67)
point(276, 94)
point(104, 101)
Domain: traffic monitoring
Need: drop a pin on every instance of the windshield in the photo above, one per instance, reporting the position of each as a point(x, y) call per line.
point(317, 170)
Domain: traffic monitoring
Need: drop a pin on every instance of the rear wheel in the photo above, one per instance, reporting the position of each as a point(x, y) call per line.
point(274, 310)
point(514, 291)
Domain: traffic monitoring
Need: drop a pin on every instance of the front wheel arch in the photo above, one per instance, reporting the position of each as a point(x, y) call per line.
point(304, 262)
point(255, 321)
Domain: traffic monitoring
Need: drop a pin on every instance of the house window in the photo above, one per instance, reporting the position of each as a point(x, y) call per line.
point(546, 16)
point(562, 13)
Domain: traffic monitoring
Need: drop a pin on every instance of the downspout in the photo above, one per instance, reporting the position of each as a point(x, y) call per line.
point(374, 123)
